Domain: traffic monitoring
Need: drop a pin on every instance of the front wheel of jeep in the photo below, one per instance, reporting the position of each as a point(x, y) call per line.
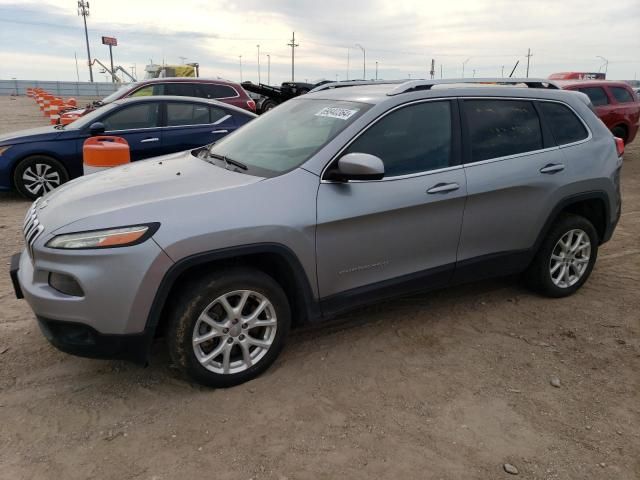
point(228, 327)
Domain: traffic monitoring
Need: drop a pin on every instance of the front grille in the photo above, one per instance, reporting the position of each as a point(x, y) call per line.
point(32, 227)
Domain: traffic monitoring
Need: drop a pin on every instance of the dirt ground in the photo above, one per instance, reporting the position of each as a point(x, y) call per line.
point(446, 385)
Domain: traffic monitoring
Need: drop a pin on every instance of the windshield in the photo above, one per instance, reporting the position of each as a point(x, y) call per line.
point(118, 93)
point(90, 117)
point(287, 136)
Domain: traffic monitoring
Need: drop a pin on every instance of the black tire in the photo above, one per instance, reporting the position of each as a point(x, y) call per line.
point(29, 167)
point(620, 132)
point(267, 105)
point(539, 275)
point(194, 299)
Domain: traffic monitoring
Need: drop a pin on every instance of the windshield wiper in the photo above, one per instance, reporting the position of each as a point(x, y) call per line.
point(228, 161)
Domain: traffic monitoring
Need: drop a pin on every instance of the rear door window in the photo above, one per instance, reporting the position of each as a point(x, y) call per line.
point(187, 114)
point(144, 115)
point(180, 89)
point(622, 95)
point(565, 126)
point(597, 95)
point(498, 128)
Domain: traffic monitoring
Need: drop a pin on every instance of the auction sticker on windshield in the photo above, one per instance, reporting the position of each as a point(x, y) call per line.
point(336, 112)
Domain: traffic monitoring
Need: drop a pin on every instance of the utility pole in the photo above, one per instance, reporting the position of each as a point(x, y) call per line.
point(293, 46)
point(440, 70)
point(240, 57)
point(502, 71)
point(364, 61)
point(258, 63)
point(432, 72)
point(268, 69)
point(528, 58)
point(348, 63)
point(376, 70)
point(77, 71)
point(83, 9)
point(474, 73)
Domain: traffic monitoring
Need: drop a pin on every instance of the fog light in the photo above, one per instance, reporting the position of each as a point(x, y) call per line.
point(65, 284)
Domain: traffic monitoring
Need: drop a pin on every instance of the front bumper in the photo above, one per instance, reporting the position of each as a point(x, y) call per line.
point(84, 341)
point(109, 320)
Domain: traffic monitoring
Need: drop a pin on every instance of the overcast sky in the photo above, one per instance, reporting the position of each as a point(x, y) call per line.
point(38, 39)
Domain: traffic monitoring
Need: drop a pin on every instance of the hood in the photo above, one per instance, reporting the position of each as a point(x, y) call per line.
point(142, 183)
point(30, 135)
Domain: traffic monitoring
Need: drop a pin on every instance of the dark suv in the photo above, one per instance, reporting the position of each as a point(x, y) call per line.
point(221, 90)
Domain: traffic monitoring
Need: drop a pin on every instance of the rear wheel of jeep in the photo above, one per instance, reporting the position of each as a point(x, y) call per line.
point(228, 327)
point(565, 258)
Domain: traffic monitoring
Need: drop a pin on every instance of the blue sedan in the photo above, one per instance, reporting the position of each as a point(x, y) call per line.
point(36, 161)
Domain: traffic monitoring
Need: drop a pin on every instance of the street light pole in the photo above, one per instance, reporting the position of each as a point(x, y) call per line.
point(606, 64)
point(376, 70)
point(364, 61)
point(83, 9)
point(463, 64)
point(258, 63)
point(268, 69)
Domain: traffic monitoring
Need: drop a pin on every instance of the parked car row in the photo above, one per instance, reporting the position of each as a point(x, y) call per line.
point(335, 199)
point(36, 161)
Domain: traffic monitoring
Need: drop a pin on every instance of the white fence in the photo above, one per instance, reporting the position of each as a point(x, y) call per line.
point(60, 89)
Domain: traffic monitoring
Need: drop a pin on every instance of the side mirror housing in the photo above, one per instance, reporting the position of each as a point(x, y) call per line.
point(97, 128)
point(357, 166)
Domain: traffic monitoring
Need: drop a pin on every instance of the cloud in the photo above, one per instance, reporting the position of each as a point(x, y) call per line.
point(403, 36)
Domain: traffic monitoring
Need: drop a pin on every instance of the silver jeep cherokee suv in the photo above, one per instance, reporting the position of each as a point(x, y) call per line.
point(344, 196)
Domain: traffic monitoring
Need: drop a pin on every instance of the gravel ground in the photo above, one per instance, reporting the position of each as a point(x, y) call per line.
point(449, 385)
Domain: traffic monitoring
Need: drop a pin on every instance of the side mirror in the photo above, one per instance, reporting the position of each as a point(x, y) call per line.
point(97, 128)
point(357, 166)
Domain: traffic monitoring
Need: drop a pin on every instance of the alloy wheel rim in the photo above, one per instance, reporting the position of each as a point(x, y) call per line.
point(570, 258)
point(234, 332)
point(40, 178)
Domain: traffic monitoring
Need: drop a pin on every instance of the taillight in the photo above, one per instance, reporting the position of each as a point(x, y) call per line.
point(252, 105)
point(619, 146)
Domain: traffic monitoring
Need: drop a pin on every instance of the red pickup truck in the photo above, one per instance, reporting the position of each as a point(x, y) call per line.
point(616, 104)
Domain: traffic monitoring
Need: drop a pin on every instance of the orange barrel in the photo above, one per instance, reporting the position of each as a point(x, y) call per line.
point(54, 113)
point(102, 152)
point(67, 119)
point(72, 102)
point(29, 92)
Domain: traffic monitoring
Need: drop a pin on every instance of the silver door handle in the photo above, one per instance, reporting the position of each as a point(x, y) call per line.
point(220, 131)
point(148, 140)
point(443, 188)
point(552, 168)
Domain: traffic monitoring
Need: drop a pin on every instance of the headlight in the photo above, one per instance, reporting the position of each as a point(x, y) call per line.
point(4, 149)
point(111, 238)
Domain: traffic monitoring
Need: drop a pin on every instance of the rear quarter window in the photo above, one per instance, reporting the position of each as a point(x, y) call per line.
point(621, 94)
point(565, 126)
point(209, 90)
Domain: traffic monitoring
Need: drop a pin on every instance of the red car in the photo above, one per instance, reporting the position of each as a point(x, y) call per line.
point(616, 104)
point(221, 90)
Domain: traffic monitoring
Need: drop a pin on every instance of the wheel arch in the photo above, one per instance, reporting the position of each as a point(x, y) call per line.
point(594, 206)
point(276, 260)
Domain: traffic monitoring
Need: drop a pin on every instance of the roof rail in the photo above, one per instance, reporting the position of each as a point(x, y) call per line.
point(355, 83)
point(413, 85)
